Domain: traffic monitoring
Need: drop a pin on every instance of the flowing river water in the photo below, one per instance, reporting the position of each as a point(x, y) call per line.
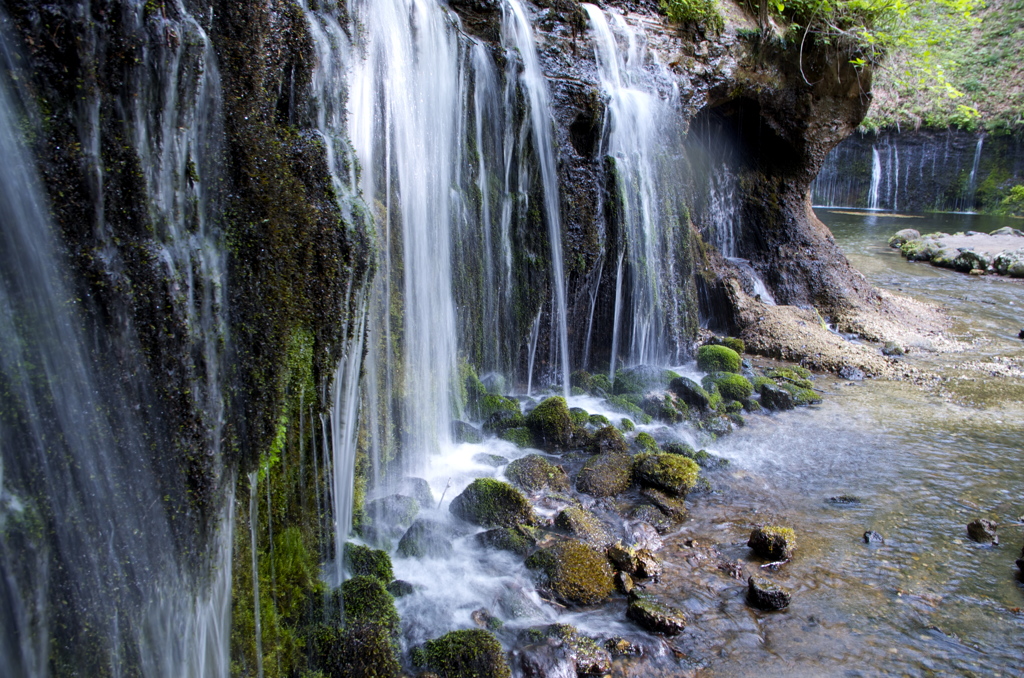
point(921, 459)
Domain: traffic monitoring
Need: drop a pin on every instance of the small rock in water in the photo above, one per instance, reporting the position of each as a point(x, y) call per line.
point(466, 433)
point(891, 348)
point(485, 619)
point(399, 588)
point(766, 595)
point(620, 647)
point(493, 460)
point(1021, 335)
point(773, 542)
point(851, 373)
point(872, 537)
point(654, 615)
point(642, 535)
point(983, 531)
point(624, 582)
point(844, 499)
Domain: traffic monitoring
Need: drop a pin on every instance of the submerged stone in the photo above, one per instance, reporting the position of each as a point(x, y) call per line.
point(654, 615)
point(583, 651)
point(470, 653)
point(773, 542)
point(466, 433)
point(514, 539)
point(766, 595)
point(872, 537)
point(673, 508)
point(534, 473)
point(425, 539)
point(492, 503)
point(487, 459)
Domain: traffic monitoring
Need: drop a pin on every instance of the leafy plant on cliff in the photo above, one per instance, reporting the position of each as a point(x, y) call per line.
point(702, 13)
point(1013, 204)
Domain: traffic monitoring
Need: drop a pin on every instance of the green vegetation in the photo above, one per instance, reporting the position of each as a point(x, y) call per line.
point(672, 473)
point(1013, 204)
point(703, 14)
point(492, 503)
point(731, 386)
point(534, 473)
point(470, 653)
point(551, 422)
point(711, 358)
point(363, 560)
point(575, 572)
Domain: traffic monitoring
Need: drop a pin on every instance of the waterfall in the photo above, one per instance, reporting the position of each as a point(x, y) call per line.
point(641, 124)
point(876, 178)
point(518, 33)
point(88, 540)
point(972, 181)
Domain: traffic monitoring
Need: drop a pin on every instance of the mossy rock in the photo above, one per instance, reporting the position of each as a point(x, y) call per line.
point(638, 380)
point(627, 425)
point(902, 236)
point(355, 651)
point(487, 459)
point(534, 473)
point(588, 657)
point(679, 448)
point(470, 653)
point(645, 442)
point(599, 420)
point(519, 436)
point(623, 404)
point(551, 423)
point(653, 516)
point(466, 433)
point(673, 508)
point(580, 417)
point(491, 403)
point(801, 396)
point(605, 475)
point(608, 439)
point(735, 343)
point(671, 473)
point(576, 573)
point(504, 420)
point(773, 542)
point(363, 560)
point(492, 503)
point(399, 588)
point(583, 525)
point(732, 386)
point(664, 407)
point(640, 563)
point(711, 358)
point(774, 397)
point(602, 384)
point(425, 539)
point(515, 539)
point(654, 615)
point(386, 518)
point(366, 601)
point(691, 393)
point(582, 379)
point(796, 375)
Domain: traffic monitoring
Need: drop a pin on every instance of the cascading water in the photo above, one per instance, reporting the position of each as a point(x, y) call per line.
point(642, 121)
point(967, 202)
point(876, 178)
point(518, 34)
point(88, 540)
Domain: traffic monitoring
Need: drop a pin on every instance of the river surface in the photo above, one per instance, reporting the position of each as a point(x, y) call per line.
point(923, 460)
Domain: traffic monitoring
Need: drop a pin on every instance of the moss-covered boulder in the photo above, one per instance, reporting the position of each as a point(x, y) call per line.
point(519, 436)
point(488, 459)
point(691, 393)
point(636, 562)
point(583, 525)
point(576, 573)
point(425, 539)
point(504, 420)
point(731, 386)
point(493, 403)
point(583, 653)
point(363, 560)
point(608, 439)
point(673, 508)
point(471, 653)
point(626, 405)
point(664, 407)
point(670, 473)
point(579, 416)
point(534, 473)
point(515, 539)
point(902, 236)
point(773, 542)
point(605, 475)
point(703, 458)
point(352, 651)
point(801, 396)
point(366, 601)
point(735, 343)
point(551, 423)
point(466, 433)
point(776, 398)
point(492, 503)
point(645, 442)
point(399, 588)
point(711, 358)
point(654, 615)
point(796, 375)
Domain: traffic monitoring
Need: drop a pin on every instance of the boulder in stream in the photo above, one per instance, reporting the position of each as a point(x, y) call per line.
point(466, 433)
point(583, 525)
point(775, 397)
point(551, 423)
point(463, 654)
point(765, 594)
point(654, 615)
point(671, 473)
point(574, 572)
point(872, 537)
point(983, 531)
point(584, 654)
point(712, 358)
point(691, 393)
point(605, 475)
point(534, 473)
point(608, 439)
point(773, 542)
point(425, 539)
point(515, 539)
point(361, 559)
point(492, 503)
point(903, 236)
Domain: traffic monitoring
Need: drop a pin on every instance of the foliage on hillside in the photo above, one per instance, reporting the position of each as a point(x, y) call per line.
point(985, 64)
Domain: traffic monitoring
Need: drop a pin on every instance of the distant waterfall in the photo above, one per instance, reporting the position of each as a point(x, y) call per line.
point(876, 178)
point(641, 126)
point(88, 539)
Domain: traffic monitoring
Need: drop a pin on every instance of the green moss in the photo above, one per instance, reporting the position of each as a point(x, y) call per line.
point(711, 358)
point(599, 420)
point(801, 396)
point(623, 404)
point(627, 425)
point(472, 653)
point(492, 503)
point(759, 382)
point(646, 442)
point(700, 13)
point(534, 473)
point(580, 417)
point(773, 542)
point(519, 436)
point(491, 403)
point(609, 439)
point(366, 601)
point(734, 343)
point(575, 572)
point(583, 525)
point(601, 382)
point(551, 423)
point(793, 375)
point(672, 473)
point(515, 539)
point(355, 651)
point(605, 475)
point(731, 386)
point(363, 560)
